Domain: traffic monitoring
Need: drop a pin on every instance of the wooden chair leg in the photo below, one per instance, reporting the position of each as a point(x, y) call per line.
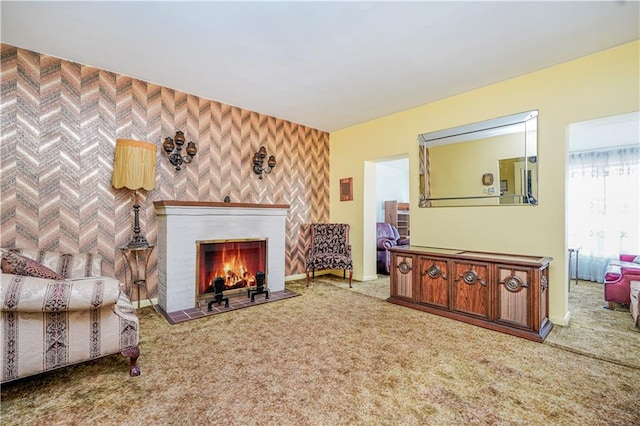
point(350, 277)
point(132, 352)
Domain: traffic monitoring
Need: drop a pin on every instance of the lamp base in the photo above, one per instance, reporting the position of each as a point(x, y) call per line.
point(138, 240)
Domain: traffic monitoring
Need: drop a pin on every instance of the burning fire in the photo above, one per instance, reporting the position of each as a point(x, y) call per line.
point(233, 271)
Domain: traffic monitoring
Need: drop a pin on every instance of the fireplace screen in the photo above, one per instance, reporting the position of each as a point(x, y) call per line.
point(236, 261)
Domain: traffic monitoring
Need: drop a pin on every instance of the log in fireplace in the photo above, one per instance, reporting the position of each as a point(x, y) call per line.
point(237, 262)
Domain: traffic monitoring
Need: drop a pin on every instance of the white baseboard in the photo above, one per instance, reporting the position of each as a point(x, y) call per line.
point(366, 278)
point(304, 276)
point(144, 303)
point(561, 321)
point(337, 273)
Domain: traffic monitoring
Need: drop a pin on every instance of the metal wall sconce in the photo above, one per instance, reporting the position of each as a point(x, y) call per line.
point(258, 161)
point(173, 148)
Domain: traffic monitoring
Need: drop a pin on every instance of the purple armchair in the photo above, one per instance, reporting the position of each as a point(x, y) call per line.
point(617, 279)
point(387, 237)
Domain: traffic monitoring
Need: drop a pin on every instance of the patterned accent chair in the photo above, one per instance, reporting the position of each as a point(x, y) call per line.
point(58, 310)
point(330, 249)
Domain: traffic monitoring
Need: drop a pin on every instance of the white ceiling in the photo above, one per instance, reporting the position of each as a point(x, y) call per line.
point(326, 65)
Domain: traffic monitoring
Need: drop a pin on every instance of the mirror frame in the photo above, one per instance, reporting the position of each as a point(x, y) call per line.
point(479, 130)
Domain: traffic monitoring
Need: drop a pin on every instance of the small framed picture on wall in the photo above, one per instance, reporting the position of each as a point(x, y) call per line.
point(346, 189)
point(487, 179)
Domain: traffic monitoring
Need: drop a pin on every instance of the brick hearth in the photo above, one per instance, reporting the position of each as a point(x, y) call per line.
point(234, 304)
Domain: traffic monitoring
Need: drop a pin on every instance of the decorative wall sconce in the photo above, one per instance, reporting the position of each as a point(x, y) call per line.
point(258, 160)
point(173, 148)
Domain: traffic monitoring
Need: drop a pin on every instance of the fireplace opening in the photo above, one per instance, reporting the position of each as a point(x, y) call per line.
point(237, 262)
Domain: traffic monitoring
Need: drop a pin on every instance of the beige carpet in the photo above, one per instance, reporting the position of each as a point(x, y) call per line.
point(597, 331)
point(330, 357)
point(593, 330)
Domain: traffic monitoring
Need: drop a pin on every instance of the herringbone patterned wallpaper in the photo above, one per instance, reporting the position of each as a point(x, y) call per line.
point(60, 121)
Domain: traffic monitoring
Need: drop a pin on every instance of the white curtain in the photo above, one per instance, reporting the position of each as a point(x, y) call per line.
point(603, 207)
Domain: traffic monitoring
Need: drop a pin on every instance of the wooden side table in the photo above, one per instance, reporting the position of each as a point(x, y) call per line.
point(137, 260)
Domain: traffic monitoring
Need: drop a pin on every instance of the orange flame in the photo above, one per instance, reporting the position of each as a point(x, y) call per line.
point(233, 271)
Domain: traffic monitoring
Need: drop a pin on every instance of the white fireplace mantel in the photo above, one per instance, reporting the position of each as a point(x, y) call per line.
point(182, 223)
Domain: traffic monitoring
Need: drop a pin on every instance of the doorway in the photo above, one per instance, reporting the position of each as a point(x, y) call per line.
point(392, 183)
point(392, 198)
point(602, 210)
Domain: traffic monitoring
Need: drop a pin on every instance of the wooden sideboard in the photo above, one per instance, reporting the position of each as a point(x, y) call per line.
point(503, 292)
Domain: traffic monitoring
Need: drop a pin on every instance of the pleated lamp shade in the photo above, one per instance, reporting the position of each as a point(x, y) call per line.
point(134, 165)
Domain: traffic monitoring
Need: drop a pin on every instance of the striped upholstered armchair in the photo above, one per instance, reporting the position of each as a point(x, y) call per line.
point(330, 249)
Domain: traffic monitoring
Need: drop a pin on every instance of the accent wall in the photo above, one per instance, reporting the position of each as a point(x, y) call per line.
point(60, 122)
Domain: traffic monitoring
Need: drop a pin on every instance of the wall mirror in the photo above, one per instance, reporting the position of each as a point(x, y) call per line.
point(490, 163)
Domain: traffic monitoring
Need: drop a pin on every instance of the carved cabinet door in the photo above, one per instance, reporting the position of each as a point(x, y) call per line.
point(402, 276)
point(471, 284)
point(434, 282)
point(514, 292)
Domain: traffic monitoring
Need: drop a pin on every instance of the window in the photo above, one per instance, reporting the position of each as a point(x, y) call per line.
point(603, 206)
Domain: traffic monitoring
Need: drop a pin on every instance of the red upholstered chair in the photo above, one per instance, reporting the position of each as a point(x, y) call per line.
point(617, 279)
point(387, 236)
point(330, 249)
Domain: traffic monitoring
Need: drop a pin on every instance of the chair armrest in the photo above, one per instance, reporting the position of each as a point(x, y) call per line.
point(31, 294)
point(385, 243)
point(628, 276)
point(630, 268)
point(404, 241)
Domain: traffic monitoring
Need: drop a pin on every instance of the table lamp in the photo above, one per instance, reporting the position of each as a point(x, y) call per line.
point(135, 168)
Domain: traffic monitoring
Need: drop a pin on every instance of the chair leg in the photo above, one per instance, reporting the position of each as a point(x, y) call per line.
point(350, 276)
point(307, 278)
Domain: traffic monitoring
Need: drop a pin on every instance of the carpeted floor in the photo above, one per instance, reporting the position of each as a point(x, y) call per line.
point(331, 357)
point(597, 331)
point(593, 330)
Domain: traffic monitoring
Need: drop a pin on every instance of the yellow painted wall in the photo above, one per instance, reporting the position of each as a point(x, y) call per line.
point(599, 85)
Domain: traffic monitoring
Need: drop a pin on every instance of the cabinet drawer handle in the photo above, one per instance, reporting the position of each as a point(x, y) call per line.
point(471, 277)
point(404, 267)
point(513, 283)
point(434, 272)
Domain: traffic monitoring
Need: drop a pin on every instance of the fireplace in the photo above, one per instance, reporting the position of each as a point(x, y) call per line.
point(182, 223)
point(236, 261)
